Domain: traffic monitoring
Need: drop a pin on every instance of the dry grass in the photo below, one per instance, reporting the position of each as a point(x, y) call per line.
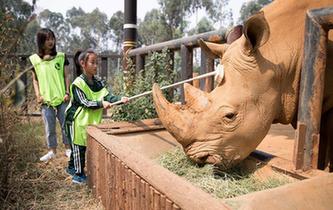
point(36, 185)
point(222, 184)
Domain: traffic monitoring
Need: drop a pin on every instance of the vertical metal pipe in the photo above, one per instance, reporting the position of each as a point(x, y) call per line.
point(130, 28)
point(130, 37)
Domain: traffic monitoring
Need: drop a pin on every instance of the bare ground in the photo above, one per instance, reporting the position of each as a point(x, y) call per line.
point(36, 185)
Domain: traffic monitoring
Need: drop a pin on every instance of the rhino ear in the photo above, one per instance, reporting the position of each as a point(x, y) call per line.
point(213, 50)
point(234, 33)
point(256, 31)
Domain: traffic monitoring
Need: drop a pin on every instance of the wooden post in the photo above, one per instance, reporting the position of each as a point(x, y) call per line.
point(196, 83)
point(139, 63)
point(104, 68)
point(206, 65)
point(186, 66)
point(317, 24)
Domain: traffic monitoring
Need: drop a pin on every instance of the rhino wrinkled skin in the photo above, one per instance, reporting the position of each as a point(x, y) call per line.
point(260, 87)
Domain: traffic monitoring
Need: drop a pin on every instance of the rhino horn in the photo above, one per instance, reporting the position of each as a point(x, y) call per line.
point(196, 99)
point(175, 118)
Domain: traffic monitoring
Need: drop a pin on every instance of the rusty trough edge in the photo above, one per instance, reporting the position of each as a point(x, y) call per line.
point(159, 177)
point(315, 193)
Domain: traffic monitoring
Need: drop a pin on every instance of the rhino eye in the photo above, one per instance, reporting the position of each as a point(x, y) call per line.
point(230, 115)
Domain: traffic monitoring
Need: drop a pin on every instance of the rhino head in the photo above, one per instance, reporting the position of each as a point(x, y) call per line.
point(224, 126)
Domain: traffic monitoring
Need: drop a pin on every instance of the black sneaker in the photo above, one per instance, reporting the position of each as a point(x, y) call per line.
point(70, 171)
point(79, 179)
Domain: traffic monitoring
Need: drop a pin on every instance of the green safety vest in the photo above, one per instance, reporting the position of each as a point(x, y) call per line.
point(86, 116)
point(50, 76)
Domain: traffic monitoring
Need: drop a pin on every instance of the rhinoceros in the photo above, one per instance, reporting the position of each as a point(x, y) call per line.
point(260, 87)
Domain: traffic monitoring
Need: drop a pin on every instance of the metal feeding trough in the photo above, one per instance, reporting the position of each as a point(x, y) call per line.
point(123, 174)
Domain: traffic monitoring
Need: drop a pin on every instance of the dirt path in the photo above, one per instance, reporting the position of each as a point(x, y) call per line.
point(279, 141)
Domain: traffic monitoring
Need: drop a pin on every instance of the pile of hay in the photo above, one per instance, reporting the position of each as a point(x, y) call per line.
point(222, 184)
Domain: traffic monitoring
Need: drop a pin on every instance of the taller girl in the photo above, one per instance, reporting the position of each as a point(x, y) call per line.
point(51, 84)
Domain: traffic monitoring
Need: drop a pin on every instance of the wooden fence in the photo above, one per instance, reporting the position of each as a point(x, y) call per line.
point(186, 47)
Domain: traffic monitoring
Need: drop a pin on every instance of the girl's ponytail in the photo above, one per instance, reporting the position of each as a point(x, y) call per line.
point(77, 65)
point(79, 56)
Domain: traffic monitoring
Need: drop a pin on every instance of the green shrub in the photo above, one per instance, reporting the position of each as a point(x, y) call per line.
point(158, 69)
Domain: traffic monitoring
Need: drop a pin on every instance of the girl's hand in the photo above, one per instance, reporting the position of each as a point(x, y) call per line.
point(106, 104)
point(47, 57)
point(40, 99)
point(124, 99)
point(67, 97)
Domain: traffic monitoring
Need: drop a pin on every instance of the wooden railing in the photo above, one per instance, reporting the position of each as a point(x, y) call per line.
point(186, 46)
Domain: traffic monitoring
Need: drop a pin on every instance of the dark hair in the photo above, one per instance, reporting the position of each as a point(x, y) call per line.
point(81, 55)
point(41, 37)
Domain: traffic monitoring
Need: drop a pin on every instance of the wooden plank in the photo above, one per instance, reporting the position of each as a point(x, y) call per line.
point(142, 194)
point(113, 172)
point(157, 202)
point(315, 150)
point(139, 123)
point(108, 177)
point(122, 185)
point(163, 201)
point(151, 197)
point(168, 204)
point(137, 192)
point(298, 156)
point(134, 129)
point(132, 190)
point(287, 167)
point(102, 175)
point(91, 162)
point(117, 184)
point(147, 192)
point(175, 207)
point(127, 188)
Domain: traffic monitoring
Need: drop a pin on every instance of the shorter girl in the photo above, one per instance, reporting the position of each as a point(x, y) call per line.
point(88, 98)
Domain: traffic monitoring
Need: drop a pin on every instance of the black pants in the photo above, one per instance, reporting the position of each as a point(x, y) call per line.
point(77, 159)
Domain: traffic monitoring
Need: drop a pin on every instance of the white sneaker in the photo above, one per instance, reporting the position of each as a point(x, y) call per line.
point(48, 156)
point(68, 152)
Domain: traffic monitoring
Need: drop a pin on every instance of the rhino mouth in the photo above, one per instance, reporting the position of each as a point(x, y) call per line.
point(222, 159)
point(202, 158)
point(217, 160)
